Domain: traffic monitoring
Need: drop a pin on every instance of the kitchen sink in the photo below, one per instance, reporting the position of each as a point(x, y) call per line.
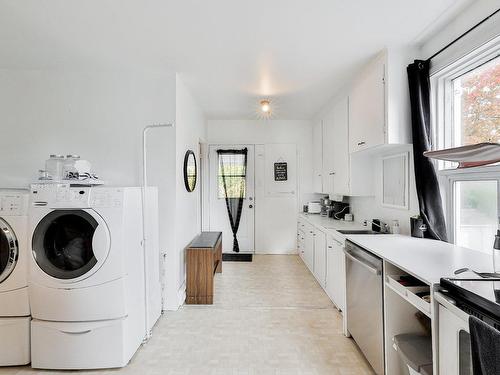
point(358, 231)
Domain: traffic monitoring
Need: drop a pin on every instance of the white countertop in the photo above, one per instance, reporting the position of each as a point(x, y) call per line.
point(428, 260)
point(330, 225)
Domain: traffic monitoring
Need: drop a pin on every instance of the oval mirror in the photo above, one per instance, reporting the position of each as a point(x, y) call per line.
point(190, 170)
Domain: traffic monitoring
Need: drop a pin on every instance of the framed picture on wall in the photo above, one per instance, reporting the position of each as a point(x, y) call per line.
point(395, 181)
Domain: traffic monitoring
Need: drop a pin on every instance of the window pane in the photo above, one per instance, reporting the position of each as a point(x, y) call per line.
point(233, 167)
point(476, 105)
point(476, 214)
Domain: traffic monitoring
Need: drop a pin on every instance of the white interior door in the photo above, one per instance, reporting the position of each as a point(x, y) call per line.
point(218, 216)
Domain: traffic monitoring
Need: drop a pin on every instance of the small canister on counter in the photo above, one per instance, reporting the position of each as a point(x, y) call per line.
point(417, 227)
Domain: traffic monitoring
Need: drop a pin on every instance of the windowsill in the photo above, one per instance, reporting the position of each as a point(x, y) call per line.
point(487, 169)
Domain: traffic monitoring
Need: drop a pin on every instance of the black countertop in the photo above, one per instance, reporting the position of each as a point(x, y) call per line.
point(205, 240)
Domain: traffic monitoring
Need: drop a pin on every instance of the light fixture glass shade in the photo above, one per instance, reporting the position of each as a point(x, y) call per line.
point(265, 106)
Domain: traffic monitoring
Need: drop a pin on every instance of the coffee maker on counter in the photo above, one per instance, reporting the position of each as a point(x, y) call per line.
point(334, 209)
point(339, 210)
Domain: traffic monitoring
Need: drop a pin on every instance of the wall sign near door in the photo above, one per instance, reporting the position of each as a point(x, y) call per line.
point(281, 171)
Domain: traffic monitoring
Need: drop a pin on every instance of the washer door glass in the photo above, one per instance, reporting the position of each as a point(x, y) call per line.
point(9, 250)
point(62, 243)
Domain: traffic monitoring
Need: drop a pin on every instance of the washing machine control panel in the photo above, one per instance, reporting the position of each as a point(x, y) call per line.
point(66, 196)
point(60, 195)
point(13, 204)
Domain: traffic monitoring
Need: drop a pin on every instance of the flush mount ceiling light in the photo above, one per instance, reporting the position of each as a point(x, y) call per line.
point(265, 106)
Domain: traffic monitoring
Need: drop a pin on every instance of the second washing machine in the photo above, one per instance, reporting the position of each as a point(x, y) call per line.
point(14, 302)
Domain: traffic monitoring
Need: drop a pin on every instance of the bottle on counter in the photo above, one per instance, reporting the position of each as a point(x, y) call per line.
point(69, 165)
point(395, 227)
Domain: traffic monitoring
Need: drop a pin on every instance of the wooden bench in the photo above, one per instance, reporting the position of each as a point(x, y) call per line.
point(203, 260)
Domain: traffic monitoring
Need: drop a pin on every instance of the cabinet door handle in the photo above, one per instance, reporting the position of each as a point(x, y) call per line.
point(361, 143)
point(330, 247)
point(331, 173)
point(339, 243)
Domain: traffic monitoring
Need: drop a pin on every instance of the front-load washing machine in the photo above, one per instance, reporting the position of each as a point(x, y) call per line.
point(86, 280)
point(14, 302)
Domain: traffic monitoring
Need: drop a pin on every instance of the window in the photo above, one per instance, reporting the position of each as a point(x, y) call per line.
point(476, 105)
point(466, 111)
point(233, 167)
point(476, 213)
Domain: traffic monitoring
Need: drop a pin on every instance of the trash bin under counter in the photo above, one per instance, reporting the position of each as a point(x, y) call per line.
point(416, 352)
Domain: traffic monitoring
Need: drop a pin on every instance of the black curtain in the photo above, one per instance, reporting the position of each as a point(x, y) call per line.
point(429, 197)
point(233, 170)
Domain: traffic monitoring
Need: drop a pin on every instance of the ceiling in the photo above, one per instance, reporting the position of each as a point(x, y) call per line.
point(231, 53)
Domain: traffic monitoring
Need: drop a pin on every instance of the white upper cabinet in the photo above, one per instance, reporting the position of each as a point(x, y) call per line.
point(379, 111)
point(340, 148)
point(367, 107)
point(318, 157)
point(343, 174)
point(371, 114)
point(329, 137)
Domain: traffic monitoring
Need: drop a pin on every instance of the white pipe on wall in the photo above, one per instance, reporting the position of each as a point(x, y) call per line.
point(145, 131)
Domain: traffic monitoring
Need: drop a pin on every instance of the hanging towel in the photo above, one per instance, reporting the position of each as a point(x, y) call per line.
point(485, 347)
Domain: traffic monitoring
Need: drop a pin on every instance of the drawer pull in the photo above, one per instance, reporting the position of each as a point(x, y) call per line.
point(77, 333)
point(361, 143)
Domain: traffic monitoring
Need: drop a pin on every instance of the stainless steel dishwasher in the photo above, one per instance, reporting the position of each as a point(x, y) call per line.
point(364, 298)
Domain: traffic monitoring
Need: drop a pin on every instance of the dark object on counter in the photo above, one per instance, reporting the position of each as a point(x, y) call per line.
point(485, 346)
point(417, 227)
point(415, 351)
point(305, 208)
point(496, 244)
point(429, 196)
point(338, 210)
point(376, 225)
point(408, 280)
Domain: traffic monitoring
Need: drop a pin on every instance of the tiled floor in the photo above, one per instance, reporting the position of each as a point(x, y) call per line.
point(269, 317)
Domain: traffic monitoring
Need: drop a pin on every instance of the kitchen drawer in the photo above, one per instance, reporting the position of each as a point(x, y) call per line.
point(409, 292)
point(416, 300)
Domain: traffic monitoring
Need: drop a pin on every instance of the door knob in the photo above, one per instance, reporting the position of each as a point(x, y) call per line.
point(250, 206)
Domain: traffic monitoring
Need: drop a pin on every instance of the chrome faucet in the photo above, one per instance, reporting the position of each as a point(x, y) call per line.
point(384, 227)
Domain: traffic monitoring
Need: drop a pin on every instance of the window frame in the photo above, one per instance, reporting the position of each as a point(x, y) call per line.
point(448, 178)
point(442, 93)
point(442, 97)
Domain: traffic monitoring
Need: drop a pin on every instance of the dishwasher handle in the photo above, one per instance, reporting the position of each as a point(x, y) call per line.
point(360, 262)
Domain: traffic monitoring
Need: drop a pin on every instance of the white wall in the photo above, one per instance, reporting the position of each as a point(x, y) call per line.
point(98, 115)
point(276, 218)
point(437, 38)
point(189, 132)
